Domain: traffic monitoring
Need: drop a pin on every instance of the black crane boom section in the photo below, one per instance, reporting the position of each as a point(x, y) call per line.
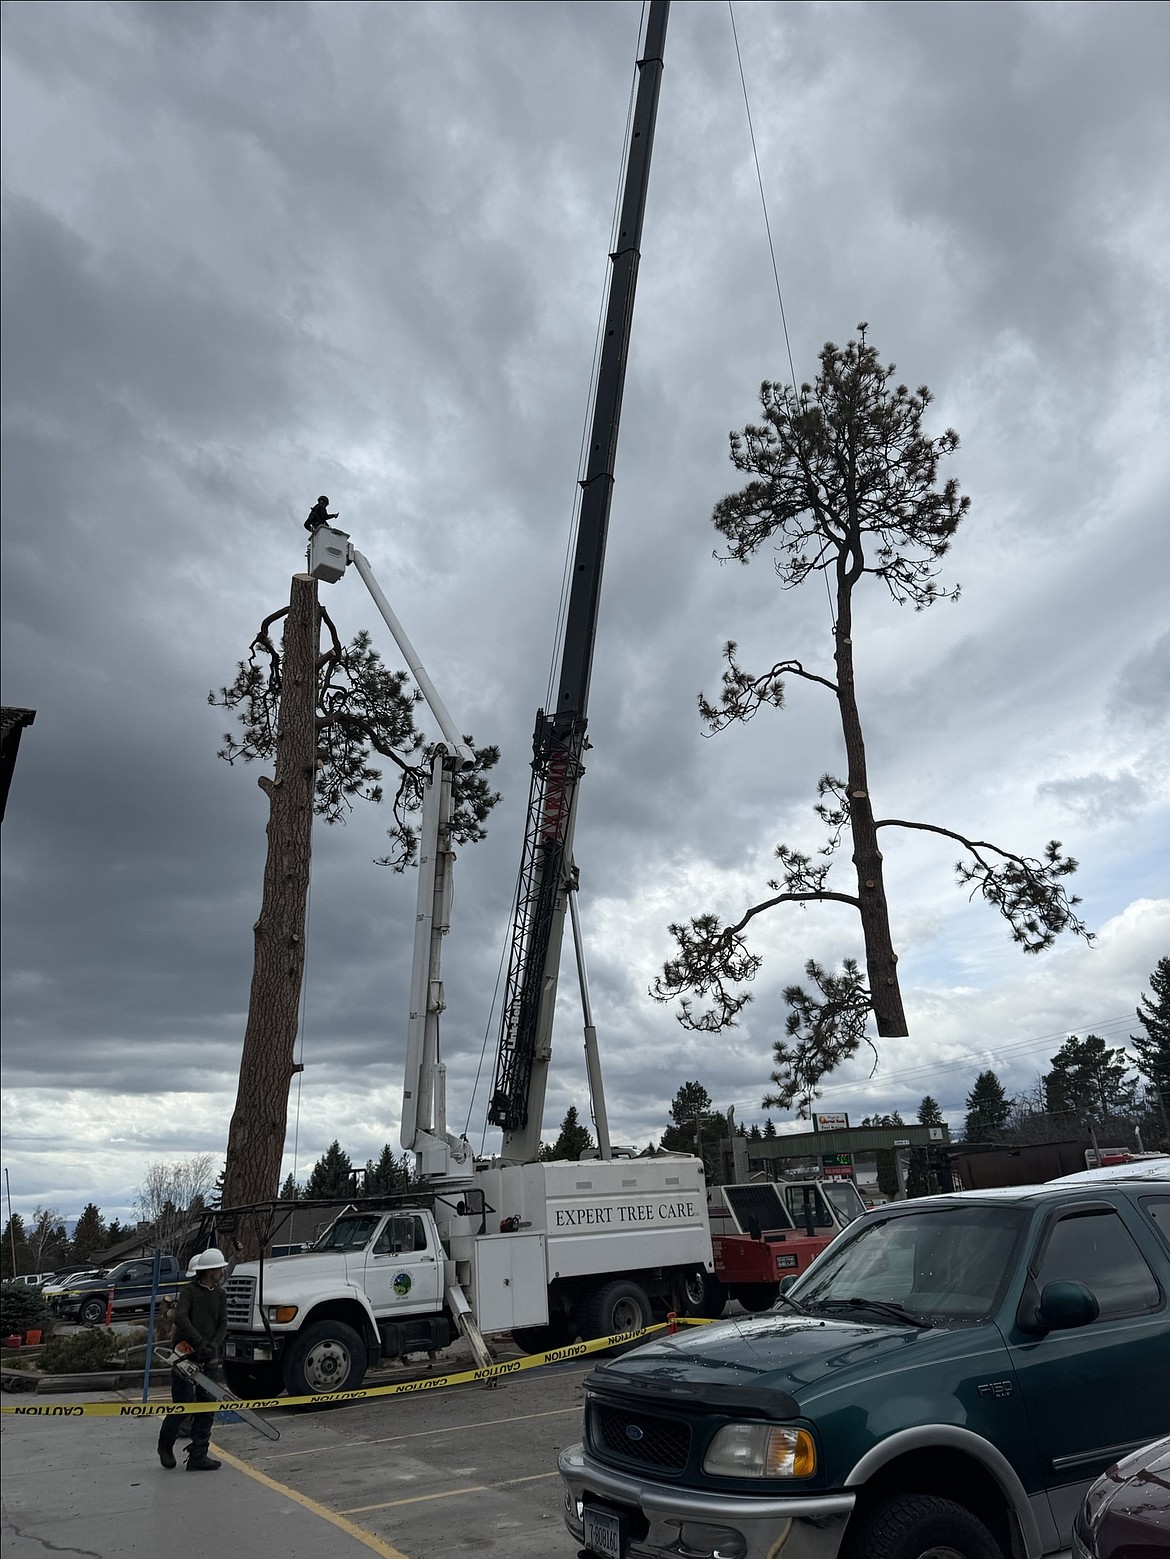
point(558, 741)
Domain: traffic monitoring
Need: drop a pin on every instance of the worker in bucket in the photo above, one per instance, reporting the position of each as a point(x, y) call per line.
point(319, 515)
point(200, 1328)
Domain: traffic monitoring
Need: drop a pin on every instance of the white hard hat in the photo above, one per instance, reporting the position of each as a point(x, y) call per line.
point(211, 1260)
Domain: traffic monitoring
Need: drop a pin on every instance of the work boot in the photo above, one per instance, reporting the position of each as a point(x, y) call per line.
point(166, 1455)
point(198, 1461)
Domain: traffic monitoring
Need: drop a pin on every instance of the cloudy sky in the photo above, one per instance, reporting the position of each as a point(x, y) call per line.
point(253, 253)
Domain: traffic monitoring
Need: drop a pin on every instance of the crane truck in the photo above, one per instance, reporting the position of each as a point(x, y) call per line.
point(547, 1251)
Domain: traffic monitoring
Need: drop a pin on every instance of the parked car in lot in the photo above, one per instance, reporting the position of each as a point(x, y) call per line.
point(1126, 1514)
point(127, 1287)
point(61, 1282)
point(945, 1380)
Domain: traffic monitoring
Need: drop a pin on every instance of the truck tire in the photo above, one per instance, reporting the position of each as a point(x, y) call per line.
point(704, 1296)
point(621, 1306)
point(92, 1312)
point(921, 1526)
point(539, 1339)
point(327, 1356)
point(756, 1296)
point(253, 1380)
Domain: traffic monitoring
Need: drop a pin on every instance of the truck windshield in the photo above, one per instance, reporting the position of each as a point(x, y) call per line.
point(949, 1263)
point(843, 1196)
point(351, 1232)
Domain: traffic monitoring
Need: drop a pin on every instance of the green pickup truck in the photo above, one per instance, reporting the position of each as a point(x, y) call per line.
point(944, 1382)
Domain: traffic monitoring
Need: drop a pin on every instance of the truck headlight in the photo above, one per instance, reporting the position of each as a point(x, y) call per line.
point(761, 1451)
point(281, 1314)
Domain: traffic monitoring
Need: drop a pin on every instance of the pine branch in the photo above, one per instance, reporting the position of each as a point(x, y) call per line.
point(744, 695)
point(1027, 892)
point(821, 1034)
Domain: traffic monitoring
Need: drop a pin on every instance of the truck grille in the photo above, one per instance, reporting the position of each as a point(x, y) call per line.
point(240, 1294)
point(620, 1434)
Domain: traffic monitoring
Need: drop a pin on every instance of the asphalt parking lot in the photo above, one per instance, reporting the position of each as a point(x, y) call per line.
point(466, 1470)
point(469, 1469)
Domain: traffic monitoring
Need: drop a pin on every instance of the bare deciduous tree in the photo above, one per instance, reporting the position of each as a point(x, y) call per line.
point(170, 1194)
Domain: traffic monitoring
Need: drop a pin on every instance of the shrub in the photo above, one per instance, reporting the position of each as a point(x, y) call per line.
point(93, 1349)
point(23, 1310)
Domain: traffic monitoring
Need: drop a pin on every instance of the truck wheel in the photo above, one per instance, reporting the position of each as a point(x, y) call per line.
point(704, 1296)
point(756, 1296)
point(253, 1380)
point(538, 1339)
point(922, 1526)
point(92, 1312)
point(327, 1356)
point(616, 1307)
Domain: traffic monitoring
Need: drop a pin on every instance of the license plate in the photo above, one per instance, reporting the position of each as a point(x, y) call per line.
point(603, 1533)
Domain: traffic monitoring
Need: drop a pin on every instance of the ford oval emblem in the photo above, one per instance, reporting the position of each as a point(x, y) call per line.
point(633, 1432)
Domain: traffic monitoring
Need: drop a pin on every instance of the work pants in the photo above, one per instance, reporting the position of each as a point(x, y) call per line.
point(184, 1390)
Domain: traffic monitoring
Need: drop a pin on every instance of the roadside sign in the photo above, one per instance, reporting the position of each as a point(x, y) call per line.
point(831, 1122)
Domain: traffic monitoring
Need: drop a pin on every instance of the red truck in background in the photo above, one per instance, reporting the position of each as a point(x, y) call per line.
point(765, 1231)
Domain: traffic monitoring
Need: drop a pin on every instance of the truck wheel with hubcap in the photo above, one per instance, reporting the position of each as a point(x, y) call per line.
point(327, 1356)
point(92, 1312)
point(922, 1526)
point(620, 1306)
point(704, 1296)
point(253, 1380)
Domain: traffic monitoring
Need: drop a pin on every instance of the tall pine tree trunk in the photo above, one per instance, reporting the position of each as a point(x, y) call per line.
point(881, 961)
point(256, 1137)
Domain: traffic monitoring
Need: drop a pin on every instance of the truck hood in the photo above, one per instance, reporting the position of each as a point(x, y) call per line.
point(283, 1271)
point(767, 1358)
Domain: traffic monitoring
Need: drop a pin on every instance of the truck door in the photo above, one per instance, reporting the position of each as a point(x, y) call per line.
point(1072, 1380)
point(404, 1267)
point(132, 1288)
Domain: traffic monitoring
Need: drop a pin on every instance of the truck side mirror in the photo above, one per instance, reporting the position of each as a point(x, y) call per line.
point(1063, 1305)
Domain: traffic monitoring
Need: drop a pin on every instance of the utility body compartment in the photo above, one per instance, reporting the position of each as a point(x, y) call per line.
point(606, 1215)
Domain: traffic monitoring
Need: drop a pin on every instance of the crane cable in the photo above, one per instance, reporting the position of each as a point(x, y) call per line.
point(771, 249)
point(763, 199)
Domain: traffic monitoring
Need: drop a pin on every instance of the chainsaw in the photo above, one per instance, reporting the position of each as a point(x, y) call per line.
point(181, 1361)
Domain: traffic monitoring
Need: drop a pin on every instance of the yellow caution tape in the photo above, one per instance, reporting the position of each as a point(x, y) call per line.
point(573, 1350)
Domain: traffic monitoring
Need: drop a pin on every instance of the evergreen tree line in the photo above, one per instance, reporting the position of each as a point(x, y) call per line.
point(1090, 1086)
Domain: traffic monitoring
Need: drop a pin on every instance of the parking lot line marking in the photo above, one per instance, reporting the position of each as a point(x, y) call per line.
point(422, 1434)
point(474, 1488)
point(418, 1499)
point(335, 1518)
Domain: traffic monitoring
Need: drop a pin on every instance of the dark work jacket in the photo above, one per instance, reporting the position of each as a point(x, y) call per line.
point(201, 1319)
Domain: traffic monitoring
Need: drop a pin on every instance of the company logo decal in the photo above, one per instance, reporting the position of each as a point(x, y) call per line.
point(403, 1282)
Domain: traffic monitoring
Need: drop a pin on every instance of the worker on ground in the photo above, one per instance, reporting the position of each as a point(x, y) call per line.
point(319, 515)
point(200, 1325)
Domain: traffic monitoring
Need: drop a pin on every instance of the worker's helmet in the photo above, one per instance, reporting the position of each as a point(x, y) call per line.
point(322, 499)
point(212, 1260)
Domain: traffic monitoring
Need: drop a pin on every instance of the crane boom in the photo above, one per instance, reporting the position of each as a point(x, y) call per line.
point(558, 742)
